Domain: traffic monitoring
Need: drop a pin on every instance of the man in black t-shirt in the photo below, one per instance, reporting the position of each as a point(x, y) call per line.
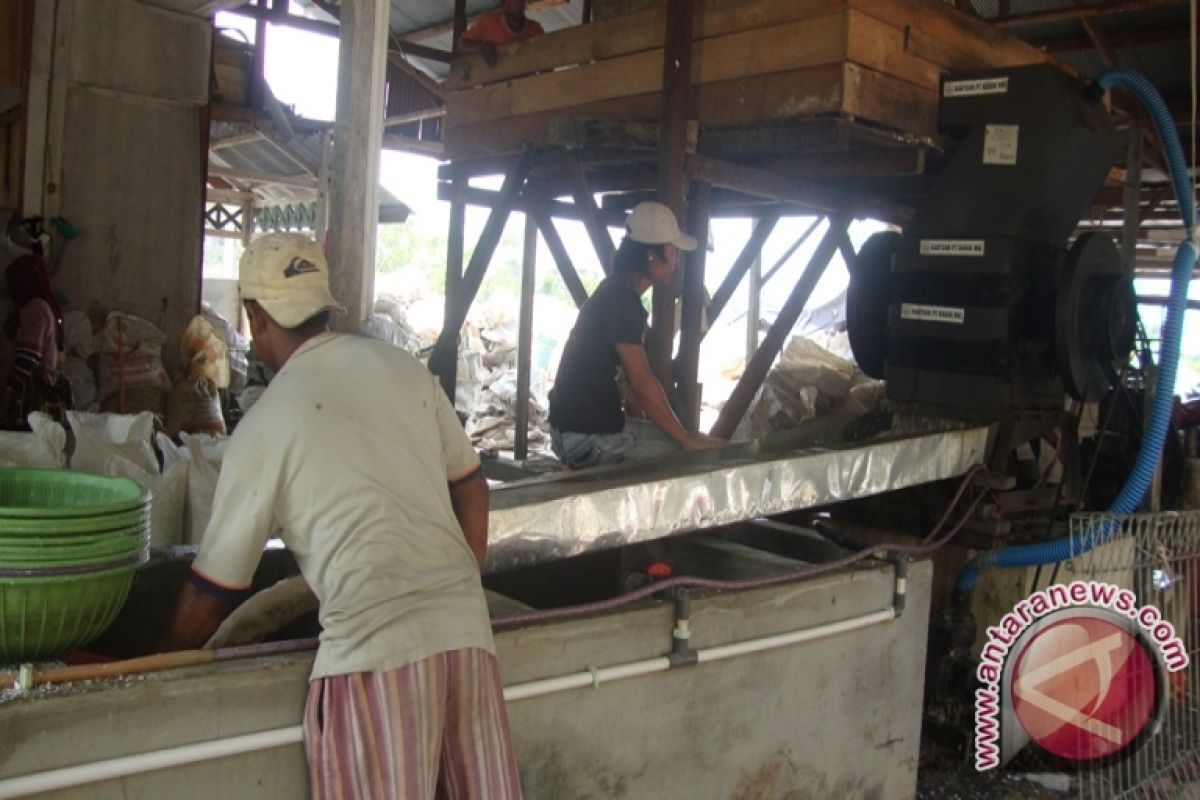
point(591, 422)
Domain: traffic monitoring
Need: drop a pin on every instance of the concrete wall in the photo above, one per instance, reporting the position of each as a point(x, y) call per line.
point(834, 718)
point(124, 155)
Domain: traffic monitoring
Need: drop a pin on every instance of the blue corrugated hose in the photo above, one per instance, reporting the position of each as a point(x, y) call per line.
point(1155, 435)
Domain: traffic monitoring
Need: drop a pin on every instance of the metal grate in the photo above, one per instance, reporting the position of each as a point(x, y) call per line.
point(1157, 556)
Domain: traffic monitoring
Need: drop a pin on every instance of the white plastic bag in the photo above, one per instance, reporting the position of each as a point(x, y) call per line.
point(168, 495)
point(43, 447)
point(205, 454)
point(99, 436)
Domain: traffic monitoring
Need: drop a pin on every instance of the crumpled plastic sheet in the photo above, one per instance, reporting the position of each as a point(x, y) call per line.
point(529, 524)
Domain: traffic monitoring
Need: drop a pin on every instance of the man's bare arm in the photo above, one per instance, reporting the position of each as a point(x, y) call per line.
point(469, 497)
point(196, 618)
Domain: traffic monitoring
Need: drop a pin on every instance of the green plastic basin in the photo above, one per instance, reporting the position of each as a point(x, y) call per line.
point(73, 526)
point(43, 617)
point(51, 493)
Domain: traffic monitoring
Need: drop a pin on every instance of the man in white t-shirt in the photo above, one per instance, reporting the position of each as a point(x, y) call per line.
point(355, 454)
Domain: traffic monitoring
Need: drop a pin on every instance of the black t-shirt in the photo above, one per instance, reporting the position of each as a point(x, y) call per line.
point(585, 397)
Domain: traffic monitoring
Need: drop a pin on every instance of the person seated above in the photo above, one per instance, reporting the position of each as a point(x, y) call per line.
point(591, 423)
point(506, 25)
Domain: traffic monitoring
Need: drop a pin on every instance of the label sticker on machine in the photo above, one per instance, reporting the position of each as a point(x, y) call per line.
point(975, 88)
point(1000, 144)
point(952, 247)
point(919, 313)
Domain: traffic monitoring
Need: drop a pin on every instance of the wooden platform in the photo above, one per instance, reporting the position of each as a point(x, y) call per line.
point(872, 63)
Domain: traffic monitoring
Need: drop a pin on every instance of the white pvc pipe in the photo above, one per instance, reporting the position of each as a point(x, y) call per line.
point(125, 766)
point(205, 751)
point(578, 680)
point(795, 637)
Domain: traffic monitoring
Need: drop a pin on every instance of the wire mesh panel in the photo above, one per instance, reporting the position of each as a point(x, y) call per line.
point(1157, 557)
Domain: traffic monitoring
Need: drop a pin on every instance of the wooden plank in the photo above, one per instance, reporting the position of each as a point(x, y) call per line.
point(880, 46)
point(562, 260)
point(935, 21)
point(788, 95)
point(631, 33)
point(738, 56)
point(890, 101)
point(751, 252)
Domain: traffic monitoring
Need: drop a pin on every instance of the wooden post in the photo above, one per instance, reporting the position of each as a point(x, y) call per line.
point(256, 90)
point(692, 324)
point(455, 247)
point(562, 259)
point(525, 338)
point(592, 219)
point(358, 130)
point(758, 367)
point(460, 24)
point(677, 78)
point(751, 252)
point(754, 284)
point(444, 359)
point(1132, 196)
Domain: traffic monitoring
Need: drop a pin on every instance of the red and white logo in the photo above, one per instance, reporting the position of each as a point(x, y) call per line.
point(1084, 687)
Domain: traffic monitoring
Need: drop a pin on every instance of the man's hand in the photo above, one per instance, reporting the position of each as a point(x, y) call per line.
point(702, 441)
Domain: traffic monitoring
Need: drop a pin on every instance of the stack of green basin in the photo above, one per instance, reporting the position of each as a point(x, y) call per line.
point(69, 546)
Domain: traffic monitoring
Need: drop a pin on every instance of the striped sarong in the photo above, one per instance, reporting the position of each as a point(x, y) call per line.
point(432, 729)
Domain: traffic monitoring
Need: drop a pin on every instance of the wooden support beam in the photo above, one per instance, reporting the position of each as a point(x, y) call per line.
point(256, 91)
point(673, 125)
point(253, 176)
point(443, 360)
point(1106, 50)
point(407, 144)
point(791, 251)
point(687, 364)
point(763, 183)
point(592, 219)
point(488, 198)
point(562, 259)
point(525, 338)
point(427, 83)
point(1120, 41)
point(234, 141)
point(752, 250)
point(403, 48)
point(1087, 11)
point(458, 26)
point(287, 20)
point(756, 370)
point(357, 131)
point(455, 248)
point(415, 116)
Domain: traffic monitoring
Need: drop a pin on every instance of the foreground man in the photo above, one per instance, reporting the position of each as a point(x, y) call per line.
point(356, 455)
point(605, 356)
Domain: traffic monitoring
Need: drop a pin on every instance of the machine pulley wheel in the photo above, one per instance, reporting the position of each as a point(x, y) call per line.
point(867, 301)
point(1094, 317)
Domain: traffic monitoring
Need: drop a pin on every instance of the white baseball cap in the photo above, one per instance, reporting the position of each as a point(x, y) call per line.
point(288, 275)
point(653, 223)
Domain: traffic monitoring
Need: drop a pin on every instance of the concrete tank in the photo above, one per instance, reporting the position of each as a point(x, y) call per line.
point(837, 715)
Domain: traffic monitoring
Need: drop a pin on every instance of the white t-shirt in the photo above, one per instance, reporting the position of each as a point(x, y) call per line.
point(349, 452)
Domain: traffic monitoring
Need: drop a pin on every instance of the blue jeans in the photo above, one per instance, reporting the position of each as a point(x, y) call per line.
point(640, 439)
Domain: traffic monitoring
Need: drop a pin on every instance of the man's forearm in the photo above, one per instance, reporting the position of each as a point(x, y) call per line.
point(653, 401)
point(197, 617)
point(469, 497)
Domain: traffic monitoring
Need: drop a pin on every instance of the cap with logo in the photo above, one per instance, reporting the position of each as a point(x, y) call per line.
point(288, 275)
point(653, 223)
